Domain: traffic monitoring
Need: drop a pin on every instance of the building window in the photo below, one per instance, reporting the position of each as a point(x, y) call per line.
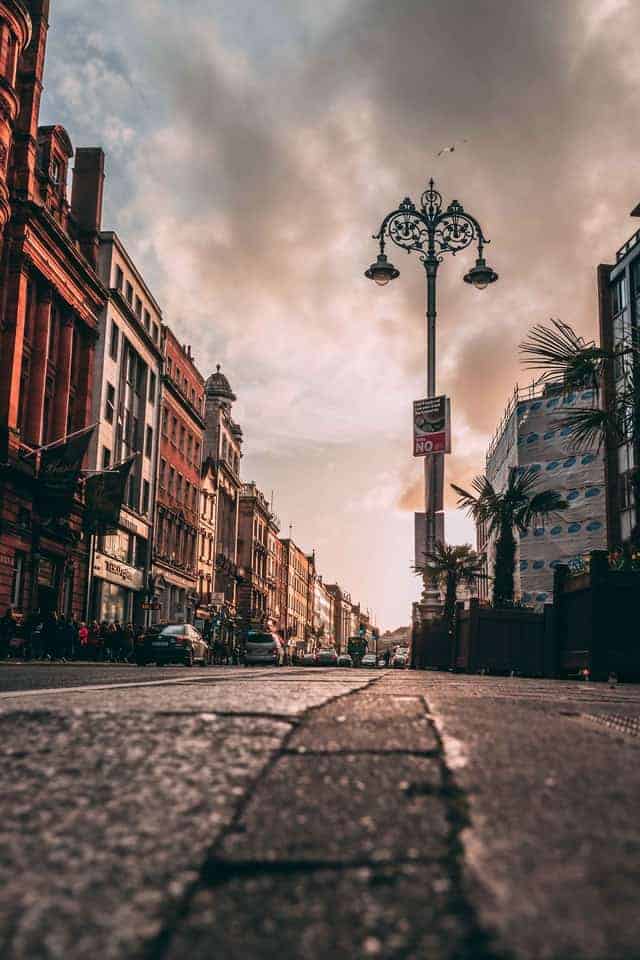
point(148, 445)
point(163, 471)
point(152, 388)
point(119, 279)
point(174, 430)
point(56, 171)
point(145, 496)
point(147, 320)
point(156, 333)
point(109, 403)
point(138, 308)
point(18, 580)
point(129, 293)
point(197, 454)
point(181, 447)
point(172, 478)
point(189, 447)
point(113, 344)
point(165, 421)
point(106, 458)
point(179, 490)
point(178, 375)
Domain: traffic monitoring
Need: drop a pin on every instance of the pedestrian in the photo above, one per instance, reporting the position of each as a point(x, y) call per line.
point(7, 627)
point(93, 640)
point(106, 639)
point(83, 641)
point(127, 643)
point(118, 641)
point(50, 636)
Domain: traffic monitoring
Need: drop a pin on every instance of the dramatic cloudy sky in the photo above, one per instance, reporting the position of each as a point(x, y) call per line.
point(254, 146)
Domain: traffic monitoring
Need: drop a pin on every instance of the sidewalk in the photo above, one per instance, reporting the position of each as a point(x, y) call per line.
point(432, 816)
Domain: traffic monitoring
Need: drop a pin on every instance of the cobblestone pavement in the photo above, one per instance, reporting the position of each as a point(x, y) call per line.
point(311, 813)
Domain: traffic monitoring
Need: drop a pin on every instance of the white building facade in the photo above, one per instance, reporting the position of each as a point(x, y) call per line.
point(128, 367)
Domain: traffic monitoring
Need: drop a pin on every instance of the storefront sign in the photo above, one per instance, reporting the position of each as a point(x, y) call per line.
point(431, 426)
point(138, 527)
point(115, 571)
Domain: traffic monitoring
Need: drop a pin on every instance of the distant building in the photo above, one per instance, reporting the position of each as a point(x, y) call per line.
point(126, 404)
point(206, 543)
point(253, 558)
point(223, 446)
point(530, 437)
point(274, 575)
point(323, 614)
point(341, 616)
point(295, 566)
point(175, 566)
point(619, 320)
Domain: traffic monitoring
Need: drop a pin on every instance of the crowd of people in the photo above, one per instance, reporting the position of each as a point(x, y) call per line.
point(52, 636)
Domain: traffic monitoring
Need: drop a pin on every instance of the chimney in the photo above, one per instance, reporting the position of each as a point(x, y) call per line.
point(86, 199)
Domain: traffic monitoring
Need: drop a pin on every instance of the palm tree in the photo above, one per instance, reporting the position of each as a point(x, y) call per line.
point(506, 512)
point(574, 364)
point(451, 566)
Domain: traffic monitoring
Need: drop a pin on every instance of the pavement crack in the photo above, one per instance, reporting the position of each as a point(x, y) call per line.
point(479, 942)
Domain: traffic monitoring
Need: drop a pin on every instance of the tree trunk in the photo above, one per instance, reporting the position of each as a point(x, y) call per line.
point(503, 583)
point(450, 600)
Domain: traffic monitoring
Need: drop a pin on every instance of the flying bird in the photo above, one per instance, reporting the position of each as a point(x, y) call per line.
point(451, 148)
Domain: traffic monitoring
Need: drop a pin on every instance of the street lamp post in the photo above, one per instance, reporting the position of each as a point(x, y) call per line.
point(431, 231)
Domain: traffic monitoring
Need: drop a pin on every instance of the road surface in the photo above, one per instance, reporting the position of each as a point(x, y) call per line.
point(227, 812)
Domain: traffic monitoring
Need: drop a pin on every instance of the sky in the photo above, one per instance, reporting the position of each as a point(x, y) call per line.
point(253, 148)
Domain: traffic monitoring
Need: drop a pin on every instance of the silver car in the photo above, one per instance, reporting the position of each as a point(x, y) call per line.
point(263, 648)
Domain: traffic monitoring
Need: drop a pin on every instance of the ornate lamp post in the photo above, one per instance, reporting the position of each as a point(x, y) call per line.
point(431, 232)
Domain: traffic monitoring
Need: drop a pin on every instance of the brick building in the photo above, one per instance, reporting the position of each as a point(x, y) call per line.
point(175, 567)
point(126, 407)
point(295, 600)
point(52, 299)
point(223, 446)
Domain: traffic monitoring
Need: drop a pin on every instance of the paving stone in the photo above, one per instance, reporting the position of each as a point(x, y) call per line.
point(358, 734)
point(105, 819)
point(344, 807)
point(406, 912)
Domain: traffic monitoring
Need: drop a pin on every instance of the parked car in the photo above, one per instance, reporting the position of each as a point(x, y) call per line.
point(345, 660)
point(399, 660)
point(327, 657)
point(263, 648)
point(308, 660)
point(172, 643)
point(369, 660)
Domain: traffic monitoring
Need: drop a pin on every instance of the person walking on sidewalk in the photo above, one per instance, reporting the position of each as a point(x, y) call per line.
point(7, 628)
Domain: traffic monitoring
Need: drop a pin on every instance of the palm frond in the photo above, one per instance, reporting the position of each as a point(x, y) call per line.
point(590, 427)
point(544, 505)
point(563, 355)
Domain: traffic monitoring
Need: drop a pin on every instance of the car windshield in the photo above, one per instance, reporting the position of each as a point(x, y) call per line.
point(174, 631)
point(259, 638)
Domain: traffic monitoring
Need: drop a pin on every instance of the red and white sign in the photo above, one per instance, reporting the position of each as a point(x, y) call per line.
point(431, 426)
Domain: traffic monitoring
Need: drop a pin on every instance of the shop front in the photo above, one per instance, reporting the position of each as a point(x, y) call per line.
point(118, 590)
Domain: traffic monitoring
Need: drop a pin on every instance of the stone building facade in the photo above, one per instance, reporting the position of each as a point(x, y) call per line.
point(52, 299)
point(253, 558)
point(175, 569)
point(341, 616)
point(223, 446)
point(126, 405)
point(206, 544)
point(323, 614)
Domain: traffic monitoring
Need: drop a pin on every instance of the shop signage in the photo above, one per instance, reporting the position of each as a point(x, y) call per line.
point(431, 426)
point(135, 526)
point(153, 605)
point(115, 571)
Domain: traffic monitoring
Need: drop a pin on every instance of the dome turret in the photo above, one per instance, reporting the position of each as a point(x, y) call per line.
point(218, 386)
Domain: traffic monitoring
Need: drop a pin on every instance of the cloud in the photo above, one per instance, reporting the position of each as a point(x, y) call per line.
point(254, 149)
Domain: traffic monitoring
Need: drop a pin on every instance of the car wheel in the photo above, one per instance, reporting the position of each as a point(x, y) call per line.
point(188, 660)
